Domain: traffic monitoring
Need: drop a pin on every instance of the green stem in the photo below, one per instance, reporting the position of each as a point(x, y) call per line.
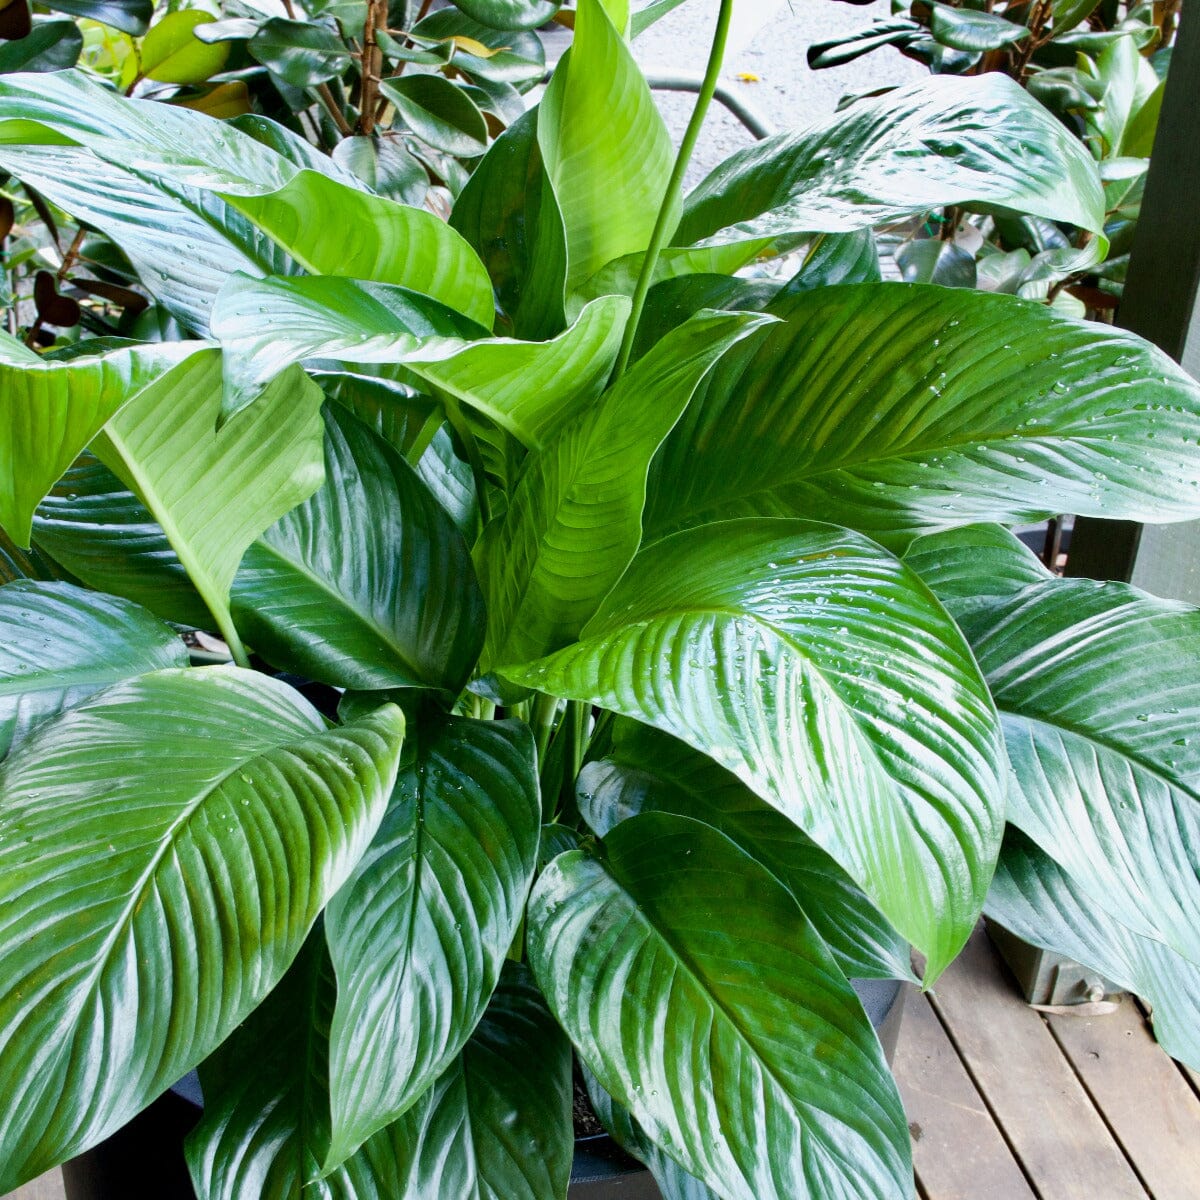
point(541, 720)
point(662, 229)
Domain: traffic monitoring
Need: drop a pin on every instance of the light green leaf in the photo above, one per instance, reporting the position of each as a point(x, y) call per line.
point(103, 534)
point(266, 325)
point(900, 408)
point(945, 140)
point(606, 148)
point(171, 52)
point(366, 584)
point(646, 771)
point(60, 644)
point(1038, 901)
point(49, 411)
point(214, 491)
point(821, 672)
point(574, 517)
point(206, 817)
point(643, 956)
point(419, 933)
point(1097, 689)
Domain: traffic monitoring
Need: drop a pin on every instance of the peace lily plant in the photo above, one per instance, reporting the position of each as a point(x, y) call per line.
point(674, 664)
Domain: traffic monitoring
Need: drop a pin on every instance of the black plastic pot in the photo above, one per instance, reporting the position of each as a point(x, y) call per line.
point(145, 1157)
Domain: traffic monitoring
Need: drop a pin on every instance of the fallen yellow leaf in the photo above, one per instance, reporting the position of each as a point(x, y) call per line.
point(748, 77)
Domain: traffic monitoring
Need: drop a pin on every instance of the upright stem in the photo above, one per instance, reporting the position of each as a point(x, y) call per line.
point(675, 185)
point(372, 64)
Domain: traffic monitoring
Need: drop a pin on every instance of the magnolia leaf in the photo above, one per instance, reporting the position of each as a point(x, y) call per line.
point(50, 46)
point(900, 408)
point(647, 771)
point(103, 534)
point(493, 55)
point(606, 148)
point(214, 491)
point(510, 14)
point(820, 671)
point(299, 52)
point(573, 521)
point(366, 584)
point(129, 16)
point(419, 933)
point(643, 956)
point(1036, 899)
point(171, 52)
point(206, 816)
point(1096, 687)
point(60, 644)
point(49, 411)
point(965, 29)
point(439, 113)
point(946, 140)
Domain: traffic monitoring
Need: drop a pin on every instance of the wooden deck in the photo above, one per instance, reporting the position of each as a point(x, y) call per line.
point(1007, 1104)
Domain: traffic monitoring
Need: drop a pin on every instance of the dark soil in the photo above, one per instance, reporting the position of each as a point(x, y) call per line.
point(587, 1124)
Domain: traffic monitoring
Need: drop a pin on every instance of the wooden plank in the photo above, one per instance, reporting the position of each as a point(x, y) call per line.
point(1146, 1102)
point(1046, 1116)
point(957, 1150)
point(47, 1187)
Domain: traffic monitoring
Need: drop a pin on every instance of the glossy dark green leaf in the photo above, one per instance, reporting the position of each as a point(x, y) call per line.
point(943, 141)
point(419, 933)
point(510, 14)
point(647, 771)
point(213, 490)
point(1040, 902)
point(673, 301)
point(509, 215)
point(898, 409)
point(821, 672)
point(514, 57)
point(385, 166)
point(642, 953)
point(50, 411)
point(847, 47)
point(931, 260)
point(207, 816)
point(51, 46)
point(1097, 690)
point(103, 534)
point(366, 584)
point(966, 29)
point(836, 258)
point(573, 521)
point(605, 146)
point(299, 52)
point(171, 53)
point(438, 113)
point(34, 564)
point(129, 16)
point(60, 644)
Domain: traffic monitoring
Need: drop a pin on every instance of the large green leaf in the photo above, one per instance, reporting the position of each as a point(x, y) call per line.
point(819, 670)
point(900, 408)
point(574, 519)
point(1097, 686)
point(49, 411)
point(494, 1126)
point(214, 491)
point(1035, 898)
point(945, 140)
point(605, 146)
point(510, 14)
point(192, 199)
point(509, 215)
point(104, 535)
point(367, 584)
point(674, 962)
point(420, 932)
point(165, 848)
point(527, 388)
point(59, 644)
point(647, 771)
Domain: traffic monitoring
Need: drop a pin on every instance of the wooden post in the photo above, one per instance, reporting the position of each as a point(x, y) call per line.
point(1161, 303)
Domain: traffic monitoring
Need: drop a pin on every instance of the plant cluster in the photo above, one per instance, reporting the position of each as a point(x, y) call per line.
point(589, 650)
point(1100, 66)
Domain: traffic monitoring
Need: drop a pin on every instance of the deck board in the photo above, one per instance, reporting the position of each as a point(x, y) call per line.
point(958, 1152)
point(1048, 1119)
point(1147, 1103)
